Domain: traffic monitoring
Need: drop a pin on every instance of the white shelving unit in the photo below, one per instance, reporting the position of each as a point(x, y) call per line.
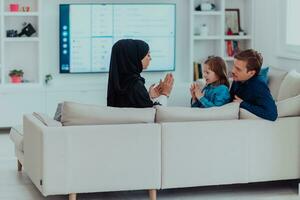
point(20, 52)
point(214, 43)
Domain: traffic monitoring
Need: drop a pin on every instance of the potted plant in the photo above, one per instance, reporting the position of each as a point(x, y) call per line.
point(16, 76)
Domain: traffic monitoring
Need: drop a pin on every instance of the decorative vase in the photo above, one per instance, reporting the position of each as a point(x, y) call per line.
point(16, 79)
point(204, 30)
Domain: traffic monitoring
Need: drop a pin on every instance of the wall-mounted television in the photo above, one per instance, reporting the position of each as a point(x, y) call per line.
point(88, 32)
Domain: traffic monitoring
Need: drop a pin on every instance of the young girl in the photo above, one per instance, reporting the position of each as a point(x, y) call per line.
point(216, 90)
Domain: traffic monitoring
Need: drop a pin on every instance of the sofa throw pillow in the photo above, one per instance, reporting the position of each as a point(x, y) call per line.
point(263, 74)
point(83, 114)
point(46, 120)
point(290, 86)
point(186, 114)
point(289, 107)
point(276, 77)
point(245, 114)
point(57, 115)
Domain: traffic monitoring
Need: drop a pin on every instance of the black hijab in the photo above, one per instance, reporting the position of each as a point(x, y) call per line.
point(125, 67)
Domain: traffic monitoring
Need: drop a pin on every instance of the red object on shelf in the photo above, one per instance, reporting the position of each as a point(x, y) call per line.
point(229, 48)
point(229, 31)
point(14, 7)
point(16, 79)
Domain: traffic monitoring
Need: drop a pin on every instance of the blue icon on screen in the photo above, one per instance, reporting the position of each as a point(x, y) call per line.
point(65, 67)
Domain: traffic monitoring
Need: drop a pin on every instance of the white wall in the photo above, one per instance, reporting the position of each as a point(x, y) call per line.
point(266, 30)
point(50, 48)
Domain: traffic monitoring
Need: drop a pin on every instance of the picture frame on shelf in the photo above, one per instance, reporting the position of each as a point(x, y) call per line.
point(232, 21)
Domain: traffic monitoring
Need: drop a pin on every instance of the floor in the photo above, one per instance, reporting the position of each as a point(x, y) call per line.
point(17, 186)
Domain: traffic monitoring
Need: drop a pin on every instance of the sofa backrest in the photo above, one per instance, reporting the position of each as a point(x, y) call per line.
point(83, 114)
point(276, 77)
point(290, 86)
point(229, 111)
point(46, 120)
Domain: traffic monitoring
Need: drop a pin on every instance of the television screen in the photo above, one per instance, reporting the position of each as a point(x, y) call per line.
point(88, 32)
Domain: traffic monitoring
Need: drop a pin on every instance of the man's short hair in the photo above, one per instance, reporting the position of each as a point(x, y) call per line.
point(253, 58)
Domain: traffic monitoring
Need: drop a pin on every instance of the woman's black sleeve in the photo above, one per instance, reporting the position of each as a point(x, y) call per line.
point(139, 96)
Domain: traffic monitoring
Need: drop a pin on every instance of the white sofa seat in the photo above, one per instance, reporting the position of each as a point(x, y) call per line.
point(229, 152)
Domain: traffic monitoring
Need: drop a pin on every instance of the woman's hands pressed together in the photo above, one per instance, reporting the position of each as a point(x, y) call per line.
point(163, 88)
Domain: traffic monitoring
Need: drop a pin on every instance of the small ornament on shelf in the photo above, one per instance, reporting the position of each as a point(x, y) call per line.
point(26, 8)
point(16, 75)
point(206, 7)
point(14, 7)
point(48, 78)
point(27, 30)
point(204, 30)
point(229, 32)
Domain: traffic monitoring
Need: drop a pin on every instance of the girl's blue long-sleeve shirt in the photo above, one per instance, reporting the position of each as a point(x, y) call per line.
point(213, 96)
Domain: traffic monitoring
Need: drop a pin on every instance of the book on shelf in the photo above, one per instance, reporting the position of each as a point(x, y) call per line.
point(197, 71)
point(232, 47)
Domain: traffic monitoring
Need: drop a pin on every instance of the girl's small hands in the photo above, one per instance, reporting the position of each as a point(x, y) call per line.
point(192, 88)
point(197, 91)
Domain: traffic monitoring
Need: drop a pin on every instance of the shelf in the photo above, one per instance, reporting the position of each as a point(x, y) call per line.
point(209, 37)
point(207, 13)
point(238, 37)
point(20, 14)
point(20, 85)
point(22, 39)
point(10, 88)
point(229, 58)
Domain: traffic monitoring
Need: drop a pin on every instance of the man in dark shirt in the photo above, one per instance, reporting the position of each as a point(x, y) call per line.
point(249, 89)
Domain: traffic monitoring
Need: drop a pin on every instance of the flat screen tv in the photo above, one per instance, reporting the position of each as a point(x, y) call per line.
point(88, 32)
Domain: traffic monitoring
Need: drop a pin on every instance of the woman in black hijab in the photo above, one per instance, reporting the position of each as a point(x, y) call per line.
point(125, 84)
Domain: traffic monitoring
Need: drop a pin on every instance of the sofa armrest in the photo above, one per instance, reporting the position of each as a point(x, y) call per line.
point(33, 151)
point(96, 158)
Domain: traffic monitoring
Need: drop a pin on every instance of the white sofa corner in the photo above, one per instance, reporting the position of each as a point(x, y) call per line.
point(92, 158)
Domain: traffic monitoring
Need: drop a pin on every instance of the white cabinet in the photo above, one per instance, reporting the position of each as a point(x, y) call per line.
point(86, 95)
point(213, 38)
point(14, 103)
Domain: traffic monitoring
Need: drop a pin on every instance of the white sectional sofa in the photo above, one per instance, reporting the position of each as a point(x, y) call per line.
point(98, 149)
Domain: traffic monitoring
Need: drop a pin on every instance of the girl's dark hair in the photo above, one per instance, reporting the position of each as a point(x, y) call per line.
point(218, 65)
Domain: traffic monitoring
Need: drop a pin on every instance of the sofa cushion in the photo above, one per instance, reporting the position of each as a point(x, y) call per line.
point(83, 114)
point(16, 135)
point(46, 120)
point(245, 114)
point(290, 86)
point(57, 115)
point(276, 77)
point(184, 114)
point(289, 107)
point(263, 74)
